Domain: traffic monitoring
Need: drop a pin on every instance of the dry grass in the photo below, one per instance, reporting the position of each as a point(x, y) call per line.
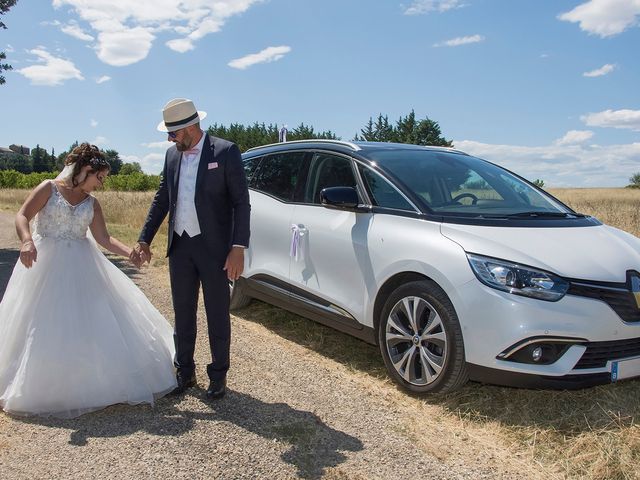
point(125, 213)
point(590, 433)
point(618, 207)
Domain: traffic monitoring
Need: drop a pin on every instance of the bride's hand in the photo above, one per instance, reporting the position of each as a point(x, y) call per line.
point(28, 253)
point(134, 257)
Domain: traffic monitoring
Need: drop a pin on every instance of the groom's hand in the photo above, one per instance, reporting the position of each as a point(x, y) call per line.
point(134, 257)
point(144, 251)
point(235, 263)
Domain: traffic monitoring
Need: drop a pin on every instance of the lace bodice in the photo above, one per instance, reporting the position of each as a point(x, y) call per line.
point(59, 219)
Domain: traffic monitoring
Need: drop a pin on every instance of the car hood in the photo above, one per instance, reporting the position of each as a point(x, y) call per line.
point(600, 253)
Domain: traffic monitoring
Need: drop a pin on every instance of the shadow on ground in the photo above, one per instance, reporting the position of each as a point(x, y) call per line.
point(313, 446)
point(571, 413)
point(8, 259)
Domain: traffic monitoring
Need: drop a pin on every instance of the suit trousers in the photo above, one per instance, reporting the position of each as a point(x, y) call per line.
point(192, 265)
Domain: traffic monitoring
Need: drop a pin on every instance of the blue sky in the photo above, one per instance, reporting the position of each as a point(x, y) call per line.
point(547, 88)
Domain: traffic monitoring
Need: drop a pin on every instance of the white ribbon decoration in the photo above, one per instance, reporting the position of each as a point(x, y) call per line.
point(297, 241)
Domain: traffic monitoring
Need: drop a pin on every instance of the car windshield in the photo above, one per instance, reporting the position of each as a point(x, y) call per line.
point(457, 184)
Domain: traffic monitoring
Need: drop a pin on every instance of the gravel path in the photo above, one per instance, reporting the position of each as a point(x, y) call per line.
point(290, 413)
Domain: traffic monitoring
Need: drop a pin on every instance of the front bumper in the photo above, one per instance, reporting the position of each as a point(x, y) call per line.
point(598, 340)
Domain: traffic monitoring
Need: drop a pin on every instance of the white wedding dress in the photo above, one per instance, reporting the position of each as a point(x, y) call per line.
point(76, 334)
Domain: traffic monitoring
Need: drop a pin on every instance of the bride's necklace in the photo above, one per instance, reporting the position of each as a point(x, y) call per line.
point(73, 195)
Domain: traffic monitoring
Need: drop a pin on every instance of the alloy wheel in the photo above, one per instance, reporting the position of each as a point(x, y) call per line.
point(416, 340)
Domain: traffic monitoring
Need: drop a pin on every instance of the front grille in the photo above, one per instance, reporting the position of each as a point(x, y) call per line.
point(598, 353)
point(617, 295)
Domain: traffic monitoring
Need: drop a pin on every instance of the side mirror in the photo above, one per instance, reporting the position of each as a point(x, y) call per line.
point(340, 198)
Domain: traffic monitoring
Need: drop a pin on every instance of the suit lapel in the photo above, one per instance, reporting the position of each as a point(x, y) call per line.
point(205, 158)
point(176, 170)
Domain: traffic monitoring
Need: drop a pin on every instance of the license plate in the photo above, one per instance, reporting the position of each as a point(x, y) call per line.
point(625, 369)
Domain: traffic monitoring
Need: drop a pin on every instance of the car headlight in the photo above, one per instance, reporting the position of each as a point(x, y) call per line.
point(518, 279)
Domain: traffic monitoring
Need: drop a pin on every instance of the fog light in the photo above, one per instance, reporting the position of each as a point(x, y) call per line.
point(536, 354)
point(538, 350)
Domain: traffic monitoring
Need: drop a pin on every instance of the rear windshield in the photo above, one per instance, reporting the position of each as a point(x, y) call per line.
point(451, 183)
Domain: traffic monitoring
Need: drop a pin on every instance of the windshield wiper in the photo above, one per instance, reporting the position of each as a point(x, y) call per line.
point(543, 214)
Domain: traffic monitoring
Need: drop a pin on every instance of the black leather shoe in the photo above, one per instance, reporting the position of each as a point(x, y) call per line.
point(184, 382)
point(217, 389)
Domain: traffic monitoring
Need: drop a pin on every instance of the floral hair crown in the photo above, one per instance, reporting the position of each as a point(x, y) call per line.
point(97, 162)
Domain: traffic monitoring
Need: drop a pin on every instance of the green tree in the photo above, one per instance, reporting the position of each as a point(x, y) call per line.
point(40, 159)
point(59, 162)
point(261, 134)
point(366, 133)
point(406, 130)
point(5, 5)
point(129, 168)
point(634, 181)
point(16, 161)
point(538, 183)
point(114, 160)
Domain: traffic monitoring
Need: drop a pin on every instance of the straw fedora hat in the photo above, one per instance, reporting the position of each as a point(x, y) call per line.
point(179, 113)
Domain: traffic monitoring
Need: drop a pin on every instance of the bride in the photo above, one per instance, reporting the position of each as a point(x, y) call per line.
point(76, 334)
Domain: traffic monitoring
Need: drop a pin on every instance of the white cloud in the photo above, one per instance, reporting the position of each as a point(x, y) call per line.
point(604, 18)
point(419, 7)
point(102, 79)
point(74, 30)
point(180, 45)
point(52, 70)
point(9, 49)
point(269, 54)
point(126, 29)
point(163, 145)
point(456, 42)
point(625, 118)
point(99, 140)
point(151, 163)
point(573, 137)
point(563, 165)
point(598, 72)
point(94, 123)
point(124, 47)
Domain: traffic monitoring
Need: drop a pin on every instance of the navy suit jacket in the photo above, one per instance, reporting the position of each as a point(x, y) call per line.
point(221, 197)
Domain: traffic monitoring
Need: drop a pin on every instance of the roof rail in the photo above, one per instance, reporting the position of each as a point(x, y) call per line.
point(351, 145)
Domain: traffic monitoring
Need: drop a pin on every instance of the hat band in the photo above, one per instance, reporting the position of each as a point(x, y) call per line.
point(180, 122)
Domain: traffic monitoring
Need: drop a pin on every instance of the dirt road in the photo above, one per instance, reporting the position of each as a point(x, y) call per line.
point(290, 413)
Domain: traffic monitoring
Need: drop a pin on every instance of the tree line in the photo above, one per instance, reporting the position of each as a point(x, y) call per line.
point(25, 171)
point(5, 5)
point(41, 161)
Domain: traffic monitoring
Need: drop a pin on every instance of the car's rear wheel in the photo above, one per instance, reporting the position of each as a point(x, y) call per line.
point(238, 297)
point(421, 340)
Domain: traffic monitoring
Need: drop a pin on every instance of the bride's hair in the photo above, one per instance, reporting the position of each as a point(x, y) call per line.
point(86, 154)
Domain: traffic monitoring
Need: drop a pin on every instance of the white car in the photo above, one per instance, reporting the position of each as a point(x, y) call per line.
point(457, 268)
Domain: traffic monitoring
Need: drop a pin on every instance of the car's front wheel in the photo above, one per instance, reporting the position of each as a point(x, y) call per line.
point(421, 340)
point(238, 298)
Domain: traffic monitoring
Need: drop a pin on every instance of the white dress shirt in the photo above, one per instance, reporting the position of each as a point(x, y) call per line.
point(186, 215)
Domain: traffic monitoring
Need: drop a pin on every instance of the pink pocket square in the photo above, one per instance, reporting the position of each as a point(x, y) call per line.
point(212, 165)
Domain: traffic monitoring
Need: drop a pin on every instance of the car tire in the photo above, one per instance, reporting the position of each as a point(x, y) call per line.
point(238, 298)
point(425, 355)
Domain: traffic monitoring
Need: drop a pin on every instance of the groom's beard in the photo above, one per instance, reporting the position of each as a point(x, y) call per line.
point(185, 144)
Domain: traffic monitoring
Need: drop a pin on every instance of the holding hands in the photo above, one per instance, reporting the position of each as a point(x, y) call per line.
point(140, 254)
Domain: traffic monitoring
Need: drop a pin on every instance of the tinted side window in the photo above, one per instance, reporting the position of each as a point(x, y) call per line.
point(328, 171)
point(250, 167)
point(382, 192)
point(278, 174)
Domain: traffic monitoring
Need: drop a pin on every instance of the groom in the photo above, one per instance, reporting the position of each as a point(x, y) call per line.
point(204, 190)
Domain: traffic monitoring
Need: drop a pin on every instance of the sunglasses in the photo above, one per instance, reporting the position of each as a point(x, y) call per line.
point(172, 134)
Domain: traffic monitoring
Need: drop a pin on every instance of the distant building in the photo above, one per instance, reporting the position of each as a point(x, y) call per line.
point(21, 149)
